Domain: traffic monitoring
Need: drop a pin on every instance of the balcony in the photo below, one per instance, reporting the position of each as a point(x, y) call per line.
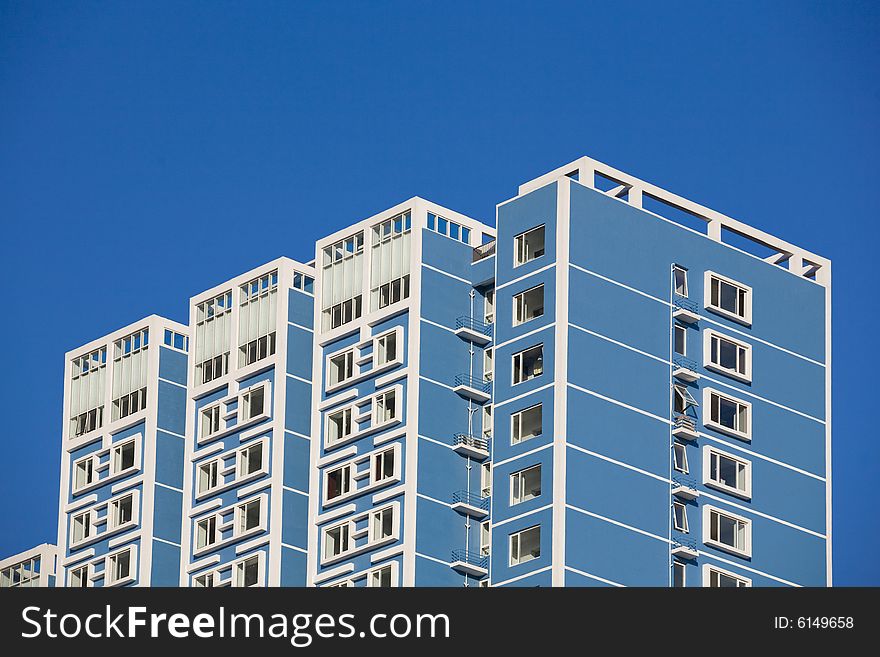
point(685, 427)
point(473, 388)
point(685, 549)
point(684, 369)
point(468, 445)
point(685, 488)
point(473, 330)
point(483, 251)
point(471, 563)
point(684, 310)
point(470, 504)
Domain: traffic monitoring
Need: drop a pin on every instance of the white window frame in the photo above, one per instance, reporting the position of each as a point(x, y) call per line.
point(212, 532)
point(682, 464)
point(521, 354)
point(380, 345)
point(90, 571)
point(90, 529)
point(518, 535)
point(267, 404)
point(117, 448)
point(746, 491)
point(242, 458)
point(518, 304)
point(221, 422)
point(377, 422)
point(210, 575)
point(683, 525)
point(708, 569)
point(343, 437)
point(679, 329)
point(348, 482)
point(708, 336)
point(95, 477)
point(371, 541)
point(359, 359)
point(132, 567)
point(111, 474)
point(680, 567)
point(348, 355)
point(519, 258)
point(229, 475)
point(517, 485)
point(357, 473)
point(368, 577)
point(374, 572)
point(114, 526)
point(217, 464)
point(223, 523)
point(238, 569)
point(485, 539)
point(488, 364)
point(489, 306)
point(684, 271)
point(514, 440)
point(486, 479)
point(708, 510)
point(746, 316)
point(486, 421)
point(708, 393)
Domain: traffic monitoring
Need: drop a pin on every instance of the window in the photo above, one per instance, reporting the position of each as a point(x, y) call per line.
point(336, 541)
point(489, 306)
point(303, 282)
point(381, 577)
point(449, 228)
point(79, 577)
point(717, 578)
point(119, 567)
point(87, 392)
point(487, 421)
point(121, 512)
point(342, 281)
point(383, 465)
point(250, 459)
point(679, 517)
point(81, 527)
point(528, 305)
point(210, 420)
point(130, 374)
point(212, 336)
point(680, 280)
point(680, 340)
point(528, 364)
point(205, 581)
point(679, 458)
point(728, 414)
point(525, 545)
point(338, 482)
point(339, 425)
point(729, 298)
point(248, 515)
point(176, 340)
point(682, 398)
point(727, 472)
point(252, 403)
point(247, 572)
point(487, 364)
point(341, 367)
point(389, 278)
point(528, 246)
point(25, 574)
point(727, 531)
point(525, 485)
point(381, 524)
point(526, 424)
point(385, 407)
point(385, 348)
point(728, 356)
point(206, 532)
point(678, 574)
point(485, 542)
point(122, 457)
point(207, 477)
point(486, 479)
point(257, 318)
point(83, 472)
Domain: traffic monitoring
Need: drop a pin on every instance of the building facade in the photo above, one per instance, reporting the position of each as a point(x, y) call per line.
point(31, 568)
point(613, 386)
point(121, 496)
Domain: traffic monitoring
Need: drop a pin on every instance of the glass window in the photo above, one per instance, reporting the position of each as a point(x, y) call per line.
point(528, 246)
point(528, 364)
point(526, 424)
point(528, 305)
point(525, 485)
point(525, 545)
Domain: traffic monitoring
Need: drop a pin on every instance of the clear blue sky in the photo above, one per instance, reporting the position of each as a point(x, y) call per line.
point(149, 150)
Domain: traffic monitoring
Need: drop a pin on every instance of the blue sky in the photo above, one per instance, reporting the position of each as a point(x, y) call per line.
point(151, 150)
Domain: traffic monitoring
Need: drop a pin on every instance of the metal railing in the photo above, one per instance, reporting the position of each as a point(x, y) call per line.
point(684, 303)
point(471, 499)
point(470, 441)
point(683, 421)
point(474, 325)
point(483, 251)
point(471, 557)
point(473, 382)
point(685, 542)
point(682, 361)
point(687, 482)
